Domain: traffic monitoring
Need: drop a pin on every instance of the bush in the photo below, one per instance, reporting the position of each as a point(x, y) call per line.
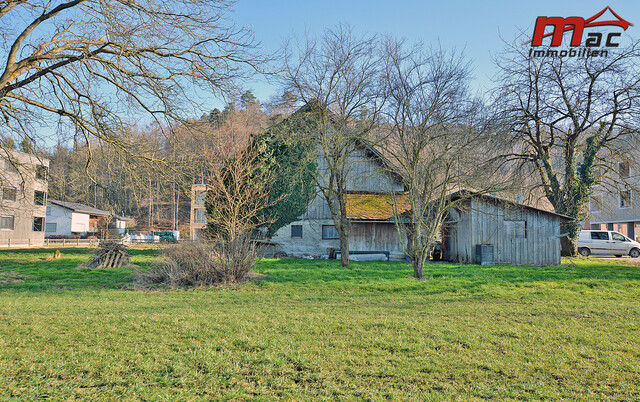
point(195, 264)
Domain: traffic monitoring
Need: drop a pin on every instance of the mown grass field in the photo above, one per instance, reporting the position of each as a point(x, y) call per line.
point(314, 330)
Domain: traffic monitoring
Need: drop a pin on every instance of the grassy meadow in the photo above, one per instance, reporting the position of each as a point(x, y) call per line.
point(313, 330)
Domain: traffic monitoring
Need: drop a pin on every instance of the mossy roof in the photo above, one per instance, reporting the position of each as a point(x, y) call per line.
point(375, 207)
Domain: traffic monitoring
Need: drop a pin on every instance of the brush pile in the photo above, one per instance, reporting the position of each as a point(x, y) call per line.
point(110, 254)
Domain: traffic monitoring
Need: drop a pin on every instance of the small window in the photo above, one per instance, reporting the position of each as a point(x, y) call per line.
point(329, 232)
point(9, 167)
point(595, 204)
point(200, 197)
point(625, 199)
point(617, 237)
point(51, 227)
point(200, 216)
point(39, 198)
point(6, 222)
point(41, 172)
point(597, 174)
point(516, 229)
point(624, 170)
point(9, 194)
point(296, 231)
point(38, 224)
point(599, 236)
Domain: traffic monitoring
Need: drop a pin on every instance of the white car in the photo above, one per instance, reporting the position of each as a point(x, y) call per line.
point(607, 242)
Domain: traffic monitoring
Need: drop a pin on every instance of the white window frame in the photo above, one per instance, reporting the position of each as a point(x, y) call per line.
point(44, 198)
point(9, 168)
point(330, 238)
point(620, 199)
point(627, 170)
point(301, 232)
point(13, 222)
point(15, 193)
point(33, 224)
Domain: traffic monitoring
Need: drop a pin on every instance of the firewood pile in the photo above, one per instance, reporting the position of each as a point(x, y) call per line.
point(110, 254)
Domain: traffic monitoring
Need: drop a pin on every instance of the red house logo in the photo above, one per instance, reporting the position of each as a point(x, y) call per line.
point(562, 25)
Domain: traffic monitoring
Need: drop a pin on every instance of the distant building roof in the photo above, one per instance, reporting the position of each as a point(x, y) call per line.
point(375, 207)
point(81, 208)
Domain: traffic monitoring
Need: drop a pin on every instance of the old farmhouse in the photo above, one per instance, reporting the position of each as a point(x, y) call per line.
point(371, 192)
point(514, 233)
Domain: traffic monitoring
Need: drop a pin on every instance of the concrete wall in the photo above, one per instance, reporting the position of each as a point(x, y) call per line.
point(482, 222)
point(23, 209)
point(610, 210)
point(605, 211)
point(311, 242)
point(363, 236)
point(608, 214)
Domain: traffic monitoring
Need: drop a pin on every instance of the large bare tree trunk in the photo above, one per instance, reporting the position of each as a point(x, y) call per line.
point(569, 243)
point(418, 266)
point(344, 250)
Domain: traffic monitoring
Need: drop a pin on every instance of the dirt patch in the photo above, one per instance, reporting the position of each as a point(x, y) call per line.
point(255, 277)
point(11, 277)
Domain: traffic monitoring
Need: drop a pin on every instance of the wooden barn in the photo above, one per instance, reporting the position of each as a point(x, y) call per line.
point(486, 229)
point(372, 231)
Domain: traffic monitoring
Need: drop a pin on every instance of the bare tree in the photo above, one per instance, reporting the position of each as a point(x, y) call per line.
point(430, 140)
point(97, 65)
point(563, 117)
point(238, 193)
point(336, 76)
point(435, 140)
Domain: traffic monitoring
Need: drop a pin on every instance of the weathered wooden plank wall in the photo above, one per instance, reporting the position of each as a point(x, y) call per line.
point(500, 224)
point(379, 236)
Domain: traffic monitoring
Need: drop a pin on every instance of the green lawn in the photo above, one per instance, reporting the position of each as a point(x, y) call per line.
point(314, 330)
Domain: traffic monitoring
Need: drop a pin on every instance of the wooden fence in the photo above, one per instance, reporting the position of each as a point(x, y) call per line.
point(49, 242)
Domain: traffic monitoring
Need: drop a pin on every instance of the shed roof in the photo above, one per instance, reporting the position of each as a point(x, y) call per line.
point(488, 197)
point(80, 208)
point(375, 207)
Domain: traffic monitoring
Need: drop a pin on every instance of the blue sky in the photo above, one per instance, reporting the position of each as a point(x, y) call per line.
point(476, 27)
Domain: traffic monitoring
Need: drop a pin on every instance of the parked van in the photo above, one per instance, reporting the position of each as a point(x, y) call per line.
point(607, 242)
